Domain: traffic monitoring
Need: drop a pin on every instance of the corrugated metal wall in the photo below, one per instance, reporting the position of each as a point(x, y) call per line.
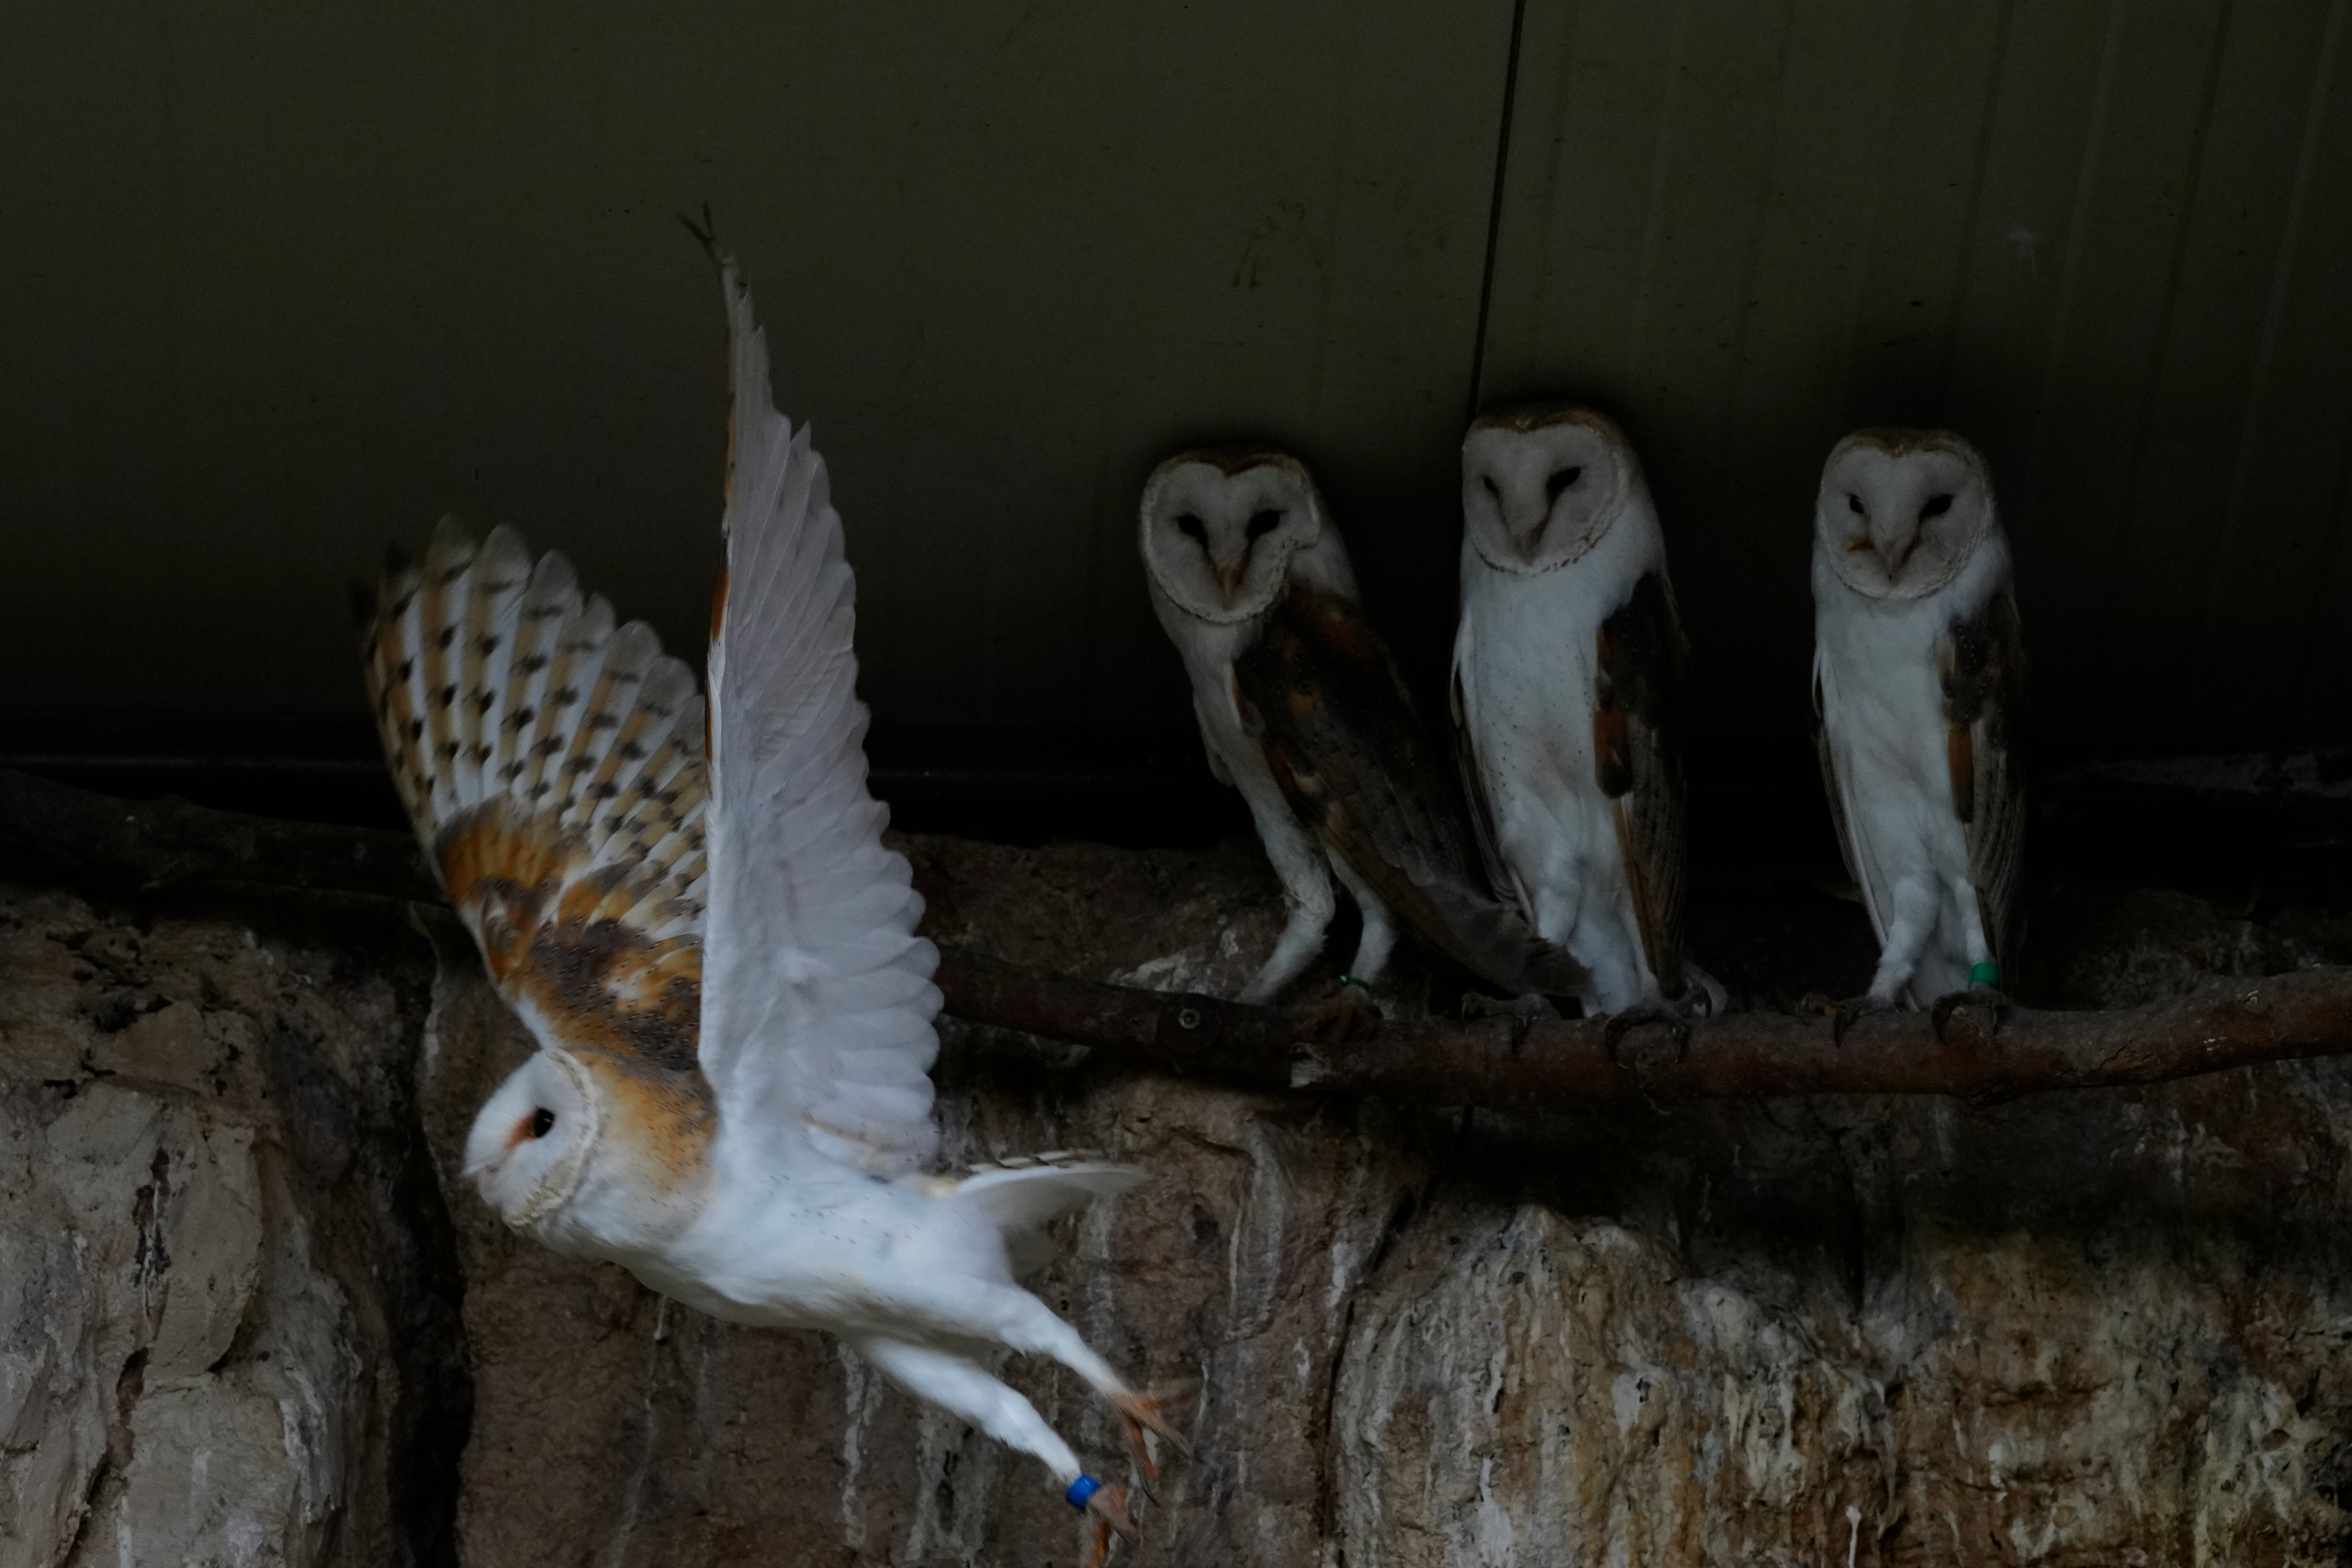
point(283, 288)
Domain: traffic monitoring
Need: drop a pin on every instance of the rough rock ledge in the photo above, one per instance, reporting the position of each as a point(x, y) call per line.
point(251, 1319)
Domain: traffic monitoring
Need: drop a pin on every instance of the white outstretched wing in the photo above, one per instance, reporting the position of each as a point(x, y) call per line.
point(817, 999)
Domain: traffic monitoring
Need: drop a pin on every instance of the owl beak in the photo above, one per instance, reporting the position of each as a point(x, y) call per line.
point(1229, 578)
point(1894, 551)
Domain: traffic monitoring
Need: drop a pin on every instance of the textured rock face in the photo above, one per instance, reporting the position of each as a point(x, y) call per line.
point(2102, 1329)
point(227, 1286)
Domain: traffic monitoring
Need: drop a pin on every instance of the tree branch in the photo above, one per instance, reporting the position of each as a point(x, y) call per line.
point(2226, 1023)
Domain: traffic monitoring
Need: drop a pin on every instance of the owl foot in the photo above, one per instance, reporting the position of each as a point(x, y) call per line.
point(1842, 1016)
point(1106, 1516)
point(1348, 1013)
point(1524, 1011)
point(1672, 1019)
point(1144, 1418)
point(1940, 1010)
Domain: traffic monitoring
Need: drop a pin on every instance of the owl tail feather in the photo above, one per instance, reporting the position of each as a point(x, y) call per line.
point(1022, 1201)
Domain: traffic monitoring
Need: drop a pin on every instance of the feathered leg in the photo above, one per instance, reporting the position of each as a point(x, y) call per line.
point(1912, 923)
point(1908, 933)
point(1349, 1013)
point(1305, 878)
point(963, 1388)
point(1011, 1317)
point(1981, 992)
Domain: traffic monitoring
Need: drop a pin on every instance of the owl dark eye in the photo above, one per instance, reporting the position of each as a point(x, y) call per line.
point(1192, 526)
point(1936, 507)
point(1853, 505)
point(1492, 490)
point(1560, 481)
point(543, 1121)
point(1262, 523)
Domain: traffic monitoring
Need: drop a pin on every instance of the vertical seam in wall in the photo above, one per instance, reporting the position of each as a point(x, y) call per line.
point(1851, 409)
point(1745, 319)
point(2101, 620)
point(1965, 251)
point(2266, 351)
point(1653, 213)
point(1494, 206)
point(2077, 226)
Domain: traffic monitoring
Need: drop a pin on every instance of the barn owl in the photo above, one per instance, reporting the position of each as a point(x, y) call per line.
point(1568, 677)
point(716, 955)
point(1301, 710)
point(1918, 686)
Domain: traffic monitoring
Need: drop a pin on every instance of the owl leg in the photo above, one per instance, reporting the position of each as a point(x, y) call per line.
point(1011, 1317)
point(1349, 1013)
point(962, 1388)
point(1305, 878)
point(1380, 936)
point(1984, 975)
point(1912, 923)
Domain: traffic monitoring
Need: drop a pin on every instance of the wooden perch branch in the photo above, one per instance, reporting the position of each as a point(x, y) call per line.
point(2226, 1023)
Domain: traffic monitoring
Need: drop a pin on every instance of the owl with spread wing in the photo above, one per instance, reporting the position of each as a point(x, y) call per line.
point(689, 904)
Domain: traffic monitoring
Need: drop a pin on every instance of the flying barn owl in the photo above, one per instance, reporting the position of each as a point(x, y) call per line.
point(716, 956)
point(1567, 676)
point(1918, 684)
point(1301, 710)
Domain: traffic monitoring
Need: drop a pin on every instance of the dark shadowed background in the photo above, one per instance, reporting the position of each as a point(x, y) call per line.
point(282, 284)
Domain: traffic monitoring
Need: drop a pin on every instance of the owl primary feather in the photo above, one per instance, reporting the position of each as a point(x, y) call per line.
point(716, 955)
point(1569, 664)
point(1301, 709)
point(1918, 683)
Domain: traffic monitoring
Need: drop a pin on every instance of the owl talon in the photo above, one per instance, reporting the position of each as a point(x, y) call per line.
point(1348, 1013)
point(1672, 1019)
point(1940, 1010)
point(1143, 1418)
point(1524, 1011)
point(1106, 1516)
point(1842, 1016)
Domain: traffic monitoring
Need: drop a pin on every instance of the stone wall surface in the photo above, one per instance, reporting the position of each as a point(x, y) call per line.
point(2106, 1328)
point(228, 1290)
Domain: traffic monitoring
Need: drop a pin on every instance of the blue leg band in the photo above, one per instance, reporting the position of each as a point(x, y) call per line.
point(1985, 974)
point(1080, 1490)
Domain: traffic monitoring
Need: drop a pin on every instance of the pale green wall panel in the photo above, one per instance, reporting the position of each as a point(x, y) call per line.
point(284, 284)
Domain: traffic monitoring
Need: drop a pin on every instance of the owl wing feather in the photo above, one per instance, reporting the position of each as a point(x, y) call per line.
point(1478, 789)
point(1641, 657)
point(1981, 669)
point(1834, 785)
point(1341, 739)
point(818, 1019)
point(551, 764)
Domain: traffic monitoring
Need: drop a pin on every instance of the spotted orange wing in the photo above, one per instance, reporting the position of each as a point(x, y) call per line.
point(553, 764)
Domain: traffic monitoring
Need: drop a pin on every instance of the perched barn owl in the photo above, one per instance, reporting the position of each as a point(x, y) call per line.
point(718, 958)
point(1919, 681)
point(1301, 710)
point(1568, 677)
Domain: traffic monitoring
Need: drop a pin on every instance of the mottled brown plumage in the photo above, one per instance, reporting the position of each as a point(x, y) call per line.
point(1641, 659)
point(553, 766)
point(1323, 698)
point(1980, 665)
